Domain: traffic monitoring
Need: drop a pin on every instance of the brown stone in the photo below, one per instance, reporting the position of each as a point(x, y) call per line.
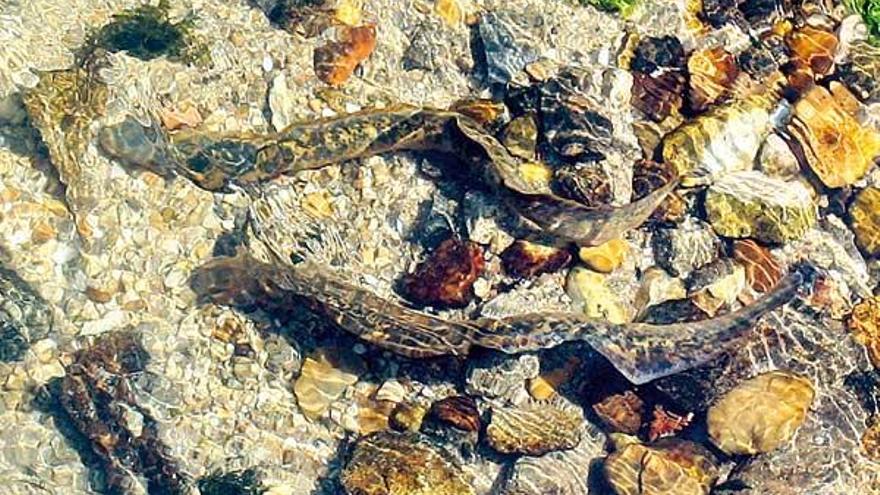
point(459, 411)
point(762, 269)
point(864, 322)
point(336, 61)
point(526, 259)
point(837, 147)
point(621, 412)
point(669, 467)
point(447, 277)
point(658, 96)
point(391, 463)
point(871, 441)
point(712, 73)
point(813, 48)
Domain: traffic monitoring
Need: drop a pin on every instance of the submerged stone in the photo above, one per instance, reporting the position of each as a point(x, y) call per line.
point(390, 463)
point(587, 184)
point(864, 322)
point(669, 467)
point(763, 270)
point(687, 247)
point(837, 147)
point(604, 258)
point(246, 482)
point(751, 204)
point(324, 377)
point(760, 414)
point(535, 428)
point(621, 412)
point(865, 219)
point(506, 47)
point(25, 317)
point(593, 297)
point(521, 136)
point(861, 72)
point(526, 259)
point(712, 72)
point(447, 277)
point(336, 61)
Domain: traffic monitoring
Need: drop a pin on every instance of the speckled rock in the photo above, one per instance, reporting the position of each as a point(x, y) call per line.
point(389, 463)
point(686, 247)
point(526, 259)
point(564, 472)
point(535, 428)
point(587, 184)
point(865, 215)
point(669, 467)
point(760, 414)
point(460, 411)
point(593, 297)
point(324, 377)
point(25, 317)
point(864, 322)
point(751, 204)
point(447, 276)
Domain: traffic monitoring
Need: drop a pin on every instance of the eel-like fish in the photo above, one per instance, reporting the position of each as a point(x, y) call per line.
point(218, 162)
point(641, 352)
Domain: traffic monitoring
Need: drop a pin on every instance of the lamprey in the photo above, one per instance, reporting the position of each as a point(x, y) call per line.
point(220, 162)
point(641, 352)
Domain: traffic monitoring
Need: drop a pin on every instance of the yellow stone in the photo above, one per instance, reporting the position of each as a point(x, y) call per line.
point(760, 414)
point(324, 377)
point(536, 173)
point(544, 386)
point(318, 204)
point(606, 257)
point(865, 216)
point(589, 292)
point(349, 12)
point(864, 322)
point(450, 11)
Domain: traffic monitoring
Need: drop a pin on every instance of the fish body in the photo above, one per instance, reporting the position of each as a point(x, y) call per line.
point(641, 352)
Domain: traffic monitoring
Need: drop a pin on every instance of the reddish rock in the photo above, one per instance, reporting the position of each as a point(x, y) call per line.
point(621, 412)
point(526, 260)
point(447, 277)
point(762, 269)
point(336, 61)
point(459, 411)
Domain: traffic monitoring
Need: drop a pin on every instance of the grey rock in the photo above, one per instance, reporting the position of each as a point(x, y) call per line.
point(25, 317)
point(687, 247)
point(507, 46)
point(433, 44)
point(501, 376)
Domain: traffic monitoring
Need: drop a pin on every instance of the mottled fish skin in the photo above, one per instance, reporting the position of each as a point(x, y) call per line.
point(641, 352)
point(216, 162)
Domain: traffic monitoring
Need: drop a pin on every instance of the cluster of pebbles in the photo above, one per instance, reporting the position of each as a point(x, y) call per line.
point(121, 376)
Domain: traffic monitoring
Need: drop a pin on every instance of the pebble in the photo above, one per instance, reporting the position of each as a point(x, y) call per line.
point(716, 285)
point(657, 287)
point(871, 441)
point(864, 323)
point(593, 297)
point(535, 428)
point(669, 467)
point(865, 220)
point(527, 260)
point(760, 414)
point(391, 391)
point(501, 376)
point(686, 247)
point(563, 472)
point(450, 11)
point(325, 375)
point(390, 463)
point(777, 160)
point(712, 72)
point(837, 147)
point(604, 258)
point(447, 277)
point(407, 417)
point(763, 270)
point(621, 412)
point(460, 411)
point(751, 204)
point(520, 137)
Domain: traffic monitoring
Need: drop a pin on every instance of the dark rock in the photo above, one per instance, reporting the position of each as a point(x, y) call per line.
point(587, 184)
point(663, 53)
point(25, 317)
point(658, 96)
point(685, 248)
point(447, 277)
point(97, 394)
point(245, 482)
point(460, 411)
point(572, 122)
point(675, 311)
point(525, 259)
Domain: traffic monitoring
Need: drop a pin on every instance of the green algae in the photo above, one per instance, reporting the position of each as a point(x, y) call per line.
point(870, 12)
point(624, 7)
point(147, 32)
